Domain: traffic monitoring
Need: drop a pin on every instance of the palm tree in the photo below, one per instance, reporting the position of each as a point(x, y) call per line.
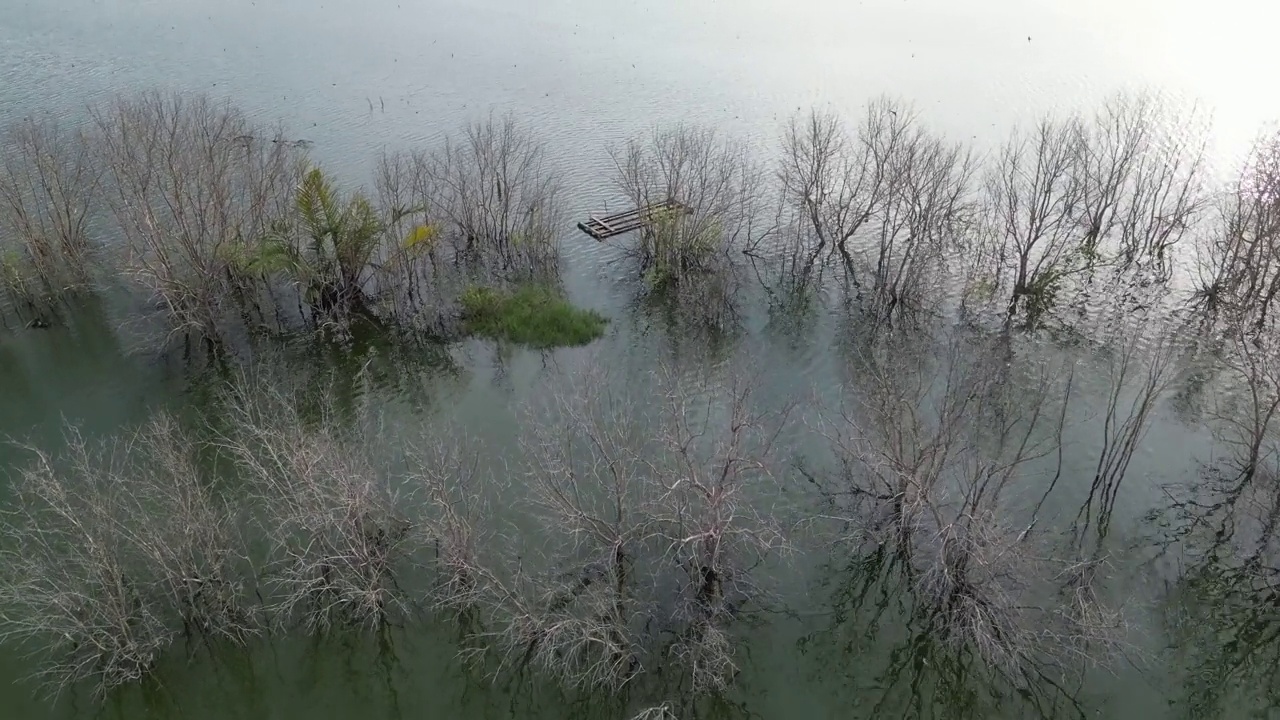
point(329, 249)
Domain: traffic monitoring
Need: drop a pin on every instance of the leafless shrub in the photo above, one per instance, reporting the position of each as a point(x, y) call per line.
point(934, 454)
point(719, 190)
point(338, 533)
point(657, 712)
point(456, 522)
point(73, 589)
point(48, 188)
point(194, 186)
point(494, 198)
point(653, 529)
point(191, 536)
point(113, 552)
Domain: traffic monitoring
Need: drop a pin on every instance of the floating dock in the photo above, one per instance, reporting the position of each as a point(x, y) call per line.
point(603, 228)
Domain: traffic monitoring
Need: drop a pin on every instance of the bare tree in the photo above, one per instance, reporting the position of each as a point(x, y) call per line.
point(1237, 500)
point(712, 515)
point(48, 189)
point(189, 534)
point(838, 180)
point(338, 532)
point(194, 186)
point(112, 552)
point(927, 208)
point(496, 199)
point(889, 199)
point(717, 189)
point(1140, 172)
point(577, 613)
point(654, 525)
point(934, 454)
point(1240, 262)
point(1035, 195)
point(1112, 146)
point(1167, 195)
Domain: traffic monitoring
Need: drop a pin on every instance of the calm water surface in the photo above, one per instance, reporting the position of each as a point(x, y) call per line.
point(358, 77)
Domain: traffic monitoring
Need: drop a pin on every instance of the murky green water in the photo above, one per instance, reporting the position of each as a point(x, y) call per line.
point(840, 641)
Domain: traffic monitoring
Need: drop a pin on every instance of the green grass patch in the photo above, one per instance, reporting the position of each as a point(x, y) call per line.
point(532, 315)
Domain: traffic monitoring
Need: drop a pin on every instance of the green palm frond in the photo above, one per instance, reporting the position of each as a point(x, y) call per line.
point(358, 239)
point(276, 256)
point(317, 206)
point(271, 255)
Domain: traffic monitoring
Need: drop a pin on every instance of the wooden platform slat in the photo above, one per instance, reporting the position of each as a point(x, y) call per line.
point(602, 228)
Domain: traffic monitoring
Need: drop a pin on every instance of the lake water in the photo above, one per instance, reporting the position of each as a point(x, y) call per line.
point(358, 78)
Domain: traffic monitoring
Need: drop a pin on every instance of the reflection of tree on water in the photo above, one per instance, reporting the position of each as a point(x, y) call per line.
point(905, 650)
point(938, 446)
point(1228, 527)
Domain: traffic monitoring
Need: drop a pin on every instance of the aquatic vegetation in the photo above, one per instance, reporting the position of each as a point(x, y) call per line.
point(533, 315)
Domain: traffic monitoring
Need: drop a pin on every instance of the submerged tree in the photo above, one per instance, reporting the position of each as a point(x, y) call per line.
point(495, 198)
point(113, 553)
point(1240, 261)
point(935, 448)
point(837, 180)
point(339, 533)
point(195, 187)
point(1120, 189)
point(708, 193)
point(652, 532)
point(889, 199)
point(49, 183)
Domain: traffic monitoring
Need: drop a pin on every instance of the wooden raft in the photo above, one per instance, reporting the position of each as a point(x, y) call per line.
point(602, 228)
